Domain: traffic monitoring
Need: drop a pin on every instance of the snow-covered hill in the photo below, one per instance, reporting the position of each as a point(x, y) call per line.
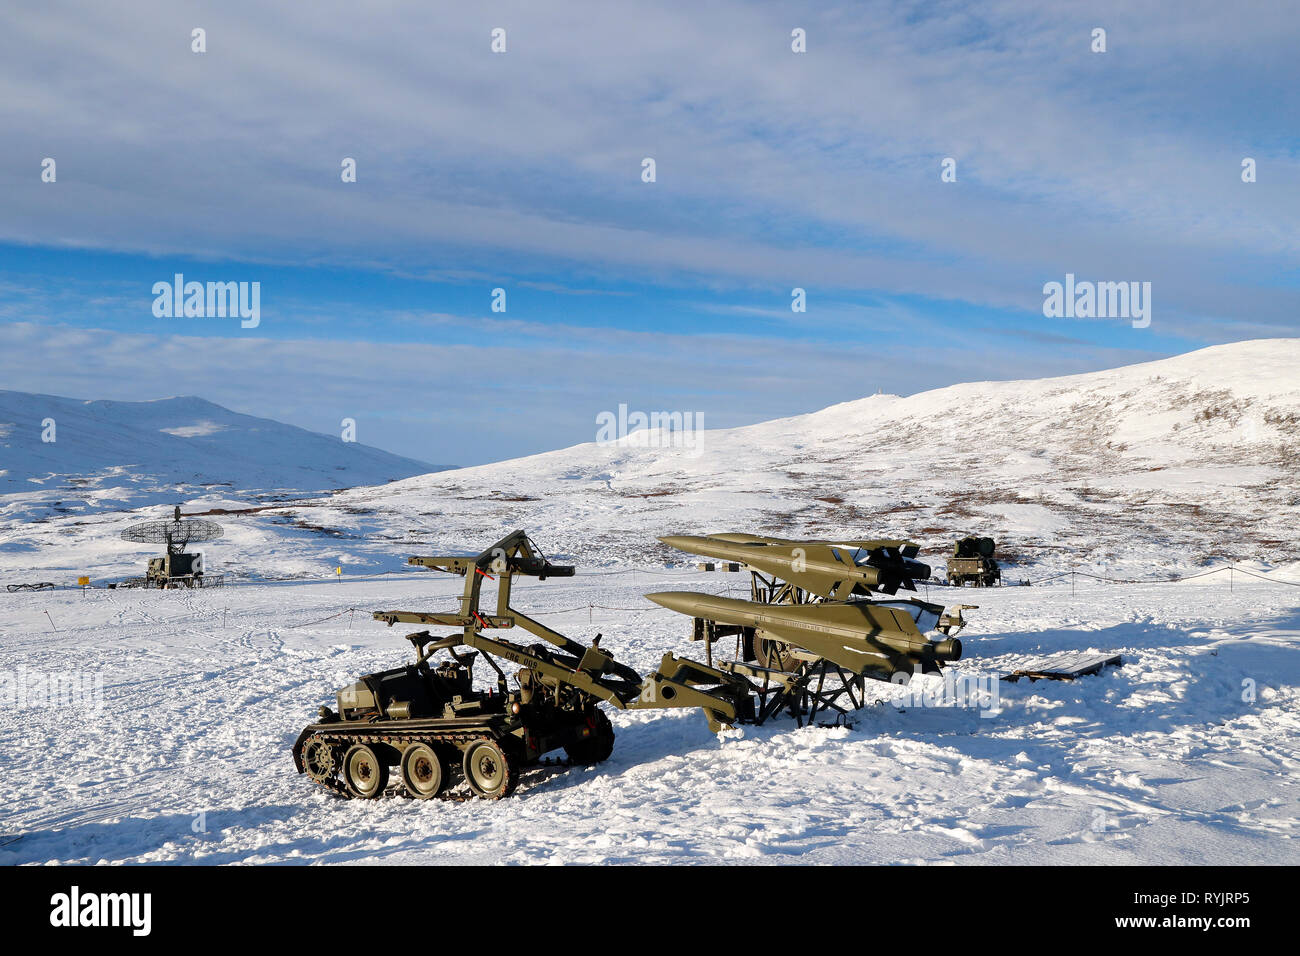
point(62, 456)
point(1155, 466)
point(1138, 471)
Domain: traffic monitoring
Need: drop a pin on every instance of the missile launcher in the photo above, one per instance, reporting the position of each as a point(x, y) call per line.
point(808, 618)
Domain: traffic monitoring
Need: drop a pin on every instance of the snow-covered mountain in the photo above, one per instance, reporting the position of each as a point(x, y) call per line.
point(1143, 470)
point(66, 456)
point(1160, 465)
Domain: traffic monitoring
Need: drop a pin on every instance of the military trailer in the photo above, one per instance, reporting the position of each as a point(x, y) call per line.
point(972, 563)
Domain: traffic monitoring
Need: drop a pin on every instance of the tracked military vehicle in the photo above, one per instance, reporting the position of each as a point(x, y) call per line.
point(972, 563)
point(431, 724)
point(434, 727)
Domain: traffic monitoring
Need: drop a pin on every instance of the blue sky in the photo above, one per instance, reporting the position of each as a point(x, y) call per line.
point(522, 171)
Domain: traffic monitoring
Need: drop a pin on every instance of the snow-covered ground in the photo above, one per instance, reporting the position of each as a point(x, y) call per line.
point(1167, 759)
point(1188, 753)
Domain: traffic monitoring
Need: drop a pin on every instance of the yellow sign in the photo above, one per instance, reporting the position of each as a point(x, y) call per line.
point(83, 581)
point(338, 571)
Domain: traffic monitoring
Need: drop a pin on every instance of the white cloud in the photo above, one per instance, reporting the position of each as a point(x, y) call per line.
point(821, 167)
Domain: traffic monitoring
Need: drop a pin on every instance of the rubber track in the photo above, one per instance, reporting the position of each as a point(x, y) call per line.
point(350, 737)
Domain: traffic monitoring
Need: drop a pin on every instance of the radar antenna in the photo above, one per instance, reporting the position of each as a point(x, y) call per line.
point(177, 534)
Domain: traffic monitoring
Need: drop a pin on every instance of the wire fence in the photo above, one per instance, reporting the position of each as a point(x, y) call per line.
point(1074, 573)
point(232, 582)
point(589, 608)
point(350, 610)
point(1229, 570)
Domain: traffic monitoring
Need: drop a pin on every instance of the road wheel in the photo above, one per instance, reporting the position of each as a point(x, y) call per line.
point(599, 742)
point(489, 770)
point(364, 774)
point(422, 772)
point(774, 654)
point(319, 760)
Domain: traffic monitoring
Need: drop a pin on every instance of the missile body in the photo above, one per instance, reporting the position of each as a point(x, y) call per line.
point(874, 639)
point(837, 570)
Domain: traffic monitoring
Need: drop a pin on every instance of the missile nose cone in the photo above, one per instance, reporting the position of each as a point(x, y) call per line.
point(681, 601)
point(678, 541)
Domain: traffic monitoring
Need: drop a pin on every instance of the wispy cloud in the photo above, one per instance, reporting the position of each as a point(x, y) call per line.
point(523, 170)
point(821, 167)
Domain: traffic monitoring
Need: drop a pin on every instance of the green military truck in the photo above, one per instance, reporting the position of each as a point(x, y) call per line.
point(972, 563)
point(176, 570)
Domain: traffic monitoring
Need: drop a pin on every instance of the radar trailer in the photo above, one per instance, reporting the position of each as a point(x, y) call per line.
point(178, 567)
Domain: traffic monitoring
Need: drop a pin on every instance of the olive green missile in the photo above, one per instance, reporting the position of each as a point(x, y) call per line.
point(878, 639)
point(831, 569)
